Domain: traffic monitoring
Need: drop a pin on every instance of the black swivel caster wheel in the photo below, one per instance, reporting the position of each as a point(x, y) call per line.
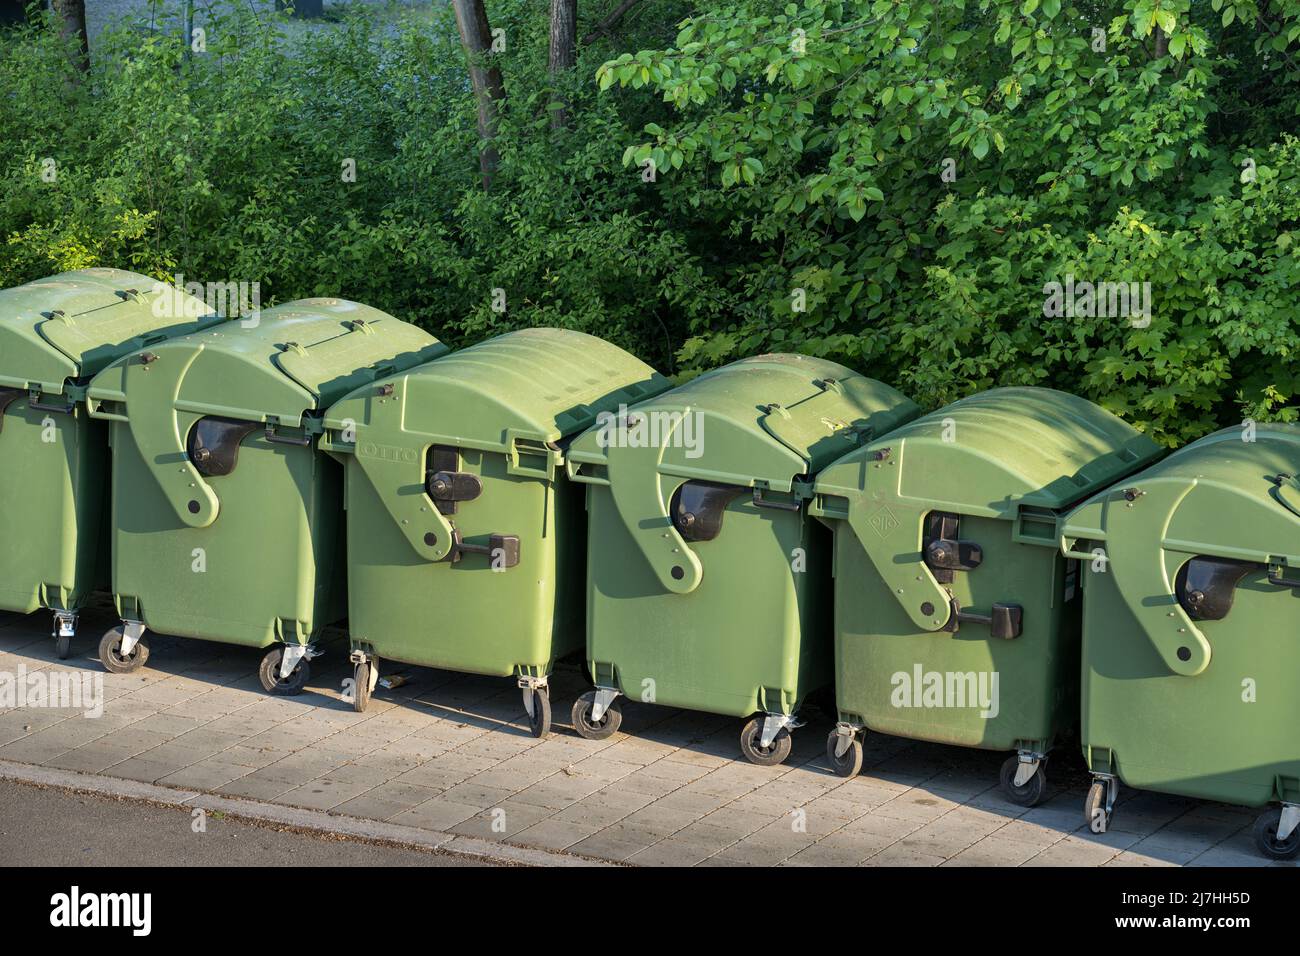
point(539, 721)
point(110, 653)
point(1095, 813)
point(1030, 792)
point(1266, 840)
point(361, 686)
point(63, 646)
point(751, 744)
point(595, 730)
point(273, 683)
point(850, 763)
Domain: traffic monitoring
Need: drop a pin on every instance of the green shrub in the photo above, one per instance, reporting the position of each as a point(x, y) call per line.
point(799, 198)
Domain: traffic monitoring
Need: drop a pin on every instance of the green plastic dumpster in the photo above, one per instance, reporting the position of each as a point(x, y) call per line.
point(465, 538)
point(1191, 604)
point(707, 580)
point(227, 516)
point(55, 334)
point(956, 617)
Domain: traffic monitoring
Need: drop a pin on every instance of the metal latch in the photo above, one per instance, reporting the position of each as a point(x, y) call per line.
point(453, 486)
point(34, 402)
point(761, 502)
point(273, 435)
point(945, 553)
point(502, 549)
point(1005, 621)
point(1277, 577)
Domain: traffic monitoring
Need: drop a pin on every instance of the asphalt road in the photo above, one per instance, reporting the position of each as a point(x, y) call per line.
point(40, 826)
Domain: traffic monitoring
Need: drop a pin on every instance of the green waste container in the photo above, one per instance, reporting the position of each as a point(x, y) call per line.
point(956, 617)
point(1191, 665)
point(465, 538)
point(227, 517)
point(707, 581)
point(55, 334)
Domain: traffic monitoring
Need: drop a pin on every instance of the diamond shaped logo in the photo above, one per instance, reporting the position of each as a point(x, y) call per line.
point(884, 522)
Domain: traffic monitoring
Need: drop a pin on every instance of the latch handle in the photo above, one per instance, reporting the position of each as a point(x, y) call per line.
point(1005, 621)
point(1276, 577)
point(761, 502)
point(273, 435)
point(64, 408)
point(502, 547)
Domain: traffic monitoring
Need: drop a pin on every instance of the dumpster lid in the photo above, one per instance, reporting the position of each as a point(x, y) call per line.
point(294, 358)
point(1003, 448)
point(1209, 475)
point(332, 346)
point(774, 418)
point(541, 384)
point(72, 325)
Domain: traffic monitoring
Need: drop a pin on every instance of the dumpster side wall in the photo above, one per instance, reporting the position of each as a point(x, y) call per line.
point(258, 564)
point(1227, 733)
point(462, 616)
point(964, 688)
point(55, 466)
point(737, 643)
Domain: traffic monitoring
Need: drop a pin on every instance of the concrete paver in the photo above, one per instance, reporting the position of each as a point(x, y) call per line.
point(451, 753)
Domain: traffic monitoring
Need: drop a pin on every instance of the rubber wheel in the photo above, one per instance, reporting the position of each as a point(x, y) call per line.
point(751, 736)
point(605, 727)
point(1094, 807)
point(851, 762)
point(361, 687)
point(539, 722)
point(63, 646)
point(269, 673)
point(1266, 836)
point(110, 653)
point(1027, 795)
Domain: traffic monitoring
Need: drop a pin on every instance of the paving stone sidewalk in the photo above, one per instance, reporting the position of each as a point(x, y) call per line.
point(450, 752)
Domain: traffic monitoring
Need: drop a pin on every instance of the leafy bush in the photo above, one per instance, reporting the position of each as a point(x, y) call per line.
point(1114, 142)
point(890, 183)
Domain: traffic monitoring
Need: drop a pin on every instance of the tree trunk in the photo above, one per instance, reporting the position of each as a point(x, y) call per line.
point(1162, 43)
point(564, 52)
point(476, 38)
point(73, 15)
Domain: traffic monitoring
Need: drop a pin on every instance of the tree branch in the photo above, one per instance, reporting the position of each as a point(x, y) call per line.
point(604, 26)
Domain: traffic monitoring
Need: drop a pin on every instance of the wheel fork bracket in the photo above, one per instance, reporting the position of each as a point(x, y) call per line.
point(65, 624)
point(1112, 789)
point(604, 697)
point(1029, 764)
point(772, 725)
point(1289, 821)
point(293, 653)
point(132, 631)
point(529, 684)
point(844, 734)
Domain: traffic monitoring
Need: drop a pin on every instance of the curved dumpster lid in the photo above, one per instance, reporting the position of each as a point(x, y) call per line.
point(1234, 493)
point(70, 326)
point(282, 364)
point(770, 418)
point(993, 452)
point(541, 384)
point(288, 360)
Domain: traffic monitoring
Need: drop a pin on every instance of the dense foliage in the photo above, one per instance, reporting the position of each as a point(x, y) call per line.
point(890, 183)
